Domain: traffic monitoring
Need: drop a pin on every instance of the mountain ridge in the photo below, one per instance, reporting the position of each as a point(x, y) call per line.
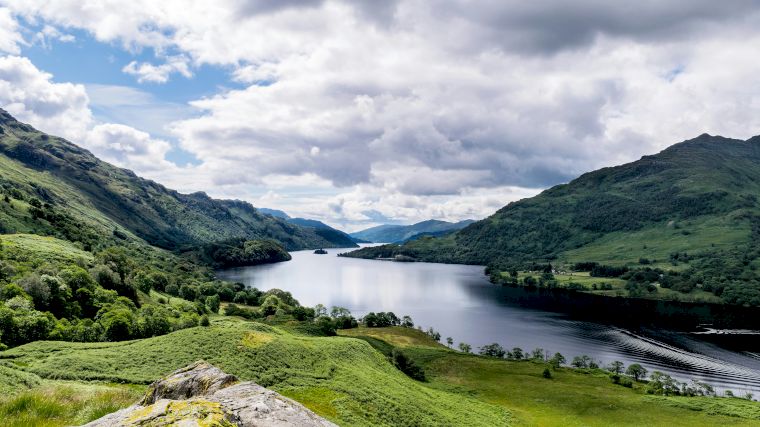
point(101, 198)
point(392, 233)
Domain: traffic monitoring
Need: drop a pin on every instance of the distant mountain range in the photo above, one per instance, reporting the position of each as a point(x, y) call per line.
point(389, 233)
point(53, 187)
point(337, 237)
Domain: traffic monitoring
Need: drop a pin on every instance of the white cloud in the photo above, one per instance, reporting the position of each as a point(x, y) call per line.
point(146, 72)
point(62, 109)
point(10, 37)
point(124, 145)
point(414, 109)
point(31, 96)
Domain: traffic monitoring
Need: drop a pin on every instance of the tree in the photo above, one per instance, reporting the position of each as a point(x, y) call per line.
point(636, 371)
point(188, 292)
point(465, 348)
point(537, 354)
point(493, 350)
point(320, 310)
point(172, 289)
point(582, 362)
point(664, 384)
point(616, 367)
point(517, 353)
point(337, 312)
point(407, 322)
point(557, 360)
point(212, 302)
point(449, 341)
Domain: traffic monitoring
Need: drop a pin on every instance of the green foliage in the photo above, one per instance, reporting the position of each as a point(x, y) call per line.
point(406, 365)
point(242, 252)
point(343, 379)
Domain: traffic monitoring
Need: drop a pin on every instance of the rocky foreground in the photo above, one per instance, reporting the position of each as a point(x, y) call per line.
point(202, 395)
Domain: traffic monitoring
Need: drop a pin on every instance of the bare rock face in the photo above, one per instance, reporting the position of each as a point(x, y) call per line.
point(202, 395)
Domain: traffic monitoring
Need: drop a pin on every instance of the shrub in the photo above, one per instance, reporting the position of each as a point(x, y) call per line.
point(407, 365)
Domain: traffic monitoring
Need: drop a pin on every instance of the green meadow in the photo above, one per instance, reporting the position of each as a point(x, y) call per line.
point(347, 379)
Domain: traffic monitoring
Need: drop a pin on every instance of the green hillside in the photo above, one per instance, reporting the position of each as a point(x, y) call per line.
point(695, 203)
point(53, 187)
point(350, 380)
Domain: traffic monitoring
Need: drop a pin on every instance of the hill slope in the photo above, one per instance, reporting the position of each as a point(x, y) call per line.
point(388, 233)
point(336, 236)
point(54, 187)
point(694, 202)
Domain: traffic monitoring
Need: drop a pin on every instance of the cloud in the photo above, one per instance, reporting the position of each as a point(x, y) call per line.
point(124, 145)
point(413, 109)
point(30, 95)
point(10, 37)
point(146, 72)
point(63, 109)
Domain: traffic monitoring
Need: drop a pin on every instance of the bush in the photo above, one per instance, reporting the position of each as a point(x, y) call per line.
point(547, 373)
point(212, 302)
point(172, 289)
point(205, 321)
point(407, 365)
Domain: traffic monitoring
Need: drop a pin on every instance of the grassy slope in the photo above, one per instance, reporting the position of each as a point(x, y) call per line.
point(570, 398)
point(347, 381)
point(33, 248)
point(658, 241)
point(343, 379)
point(618, 288)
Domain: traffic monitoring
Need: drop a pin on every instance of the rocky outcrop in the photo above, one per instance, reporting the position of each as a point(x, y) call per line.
point(202, 395)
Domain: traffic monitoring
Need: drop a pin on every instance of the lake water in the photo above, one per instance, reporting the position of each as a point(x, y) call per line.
point(459, 302)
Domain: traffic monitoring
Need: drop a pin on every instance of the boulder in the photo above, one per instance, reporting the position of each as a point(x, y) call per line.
point(202, 395)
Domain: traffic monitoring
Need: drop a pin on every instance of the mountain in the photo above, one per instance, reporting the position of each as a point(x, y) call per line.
point(389, 233)
point(274, 212)
point(337, 237)
point(53, 187)
point(692, 210)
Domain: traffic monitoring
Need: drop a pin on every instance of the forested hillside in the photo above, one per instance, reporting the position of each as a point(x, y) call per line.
point(691, 209)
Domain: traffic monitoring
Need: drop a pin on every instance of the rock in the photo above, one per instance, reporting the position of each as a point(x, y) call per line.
point(198, 379)
point(202, 395)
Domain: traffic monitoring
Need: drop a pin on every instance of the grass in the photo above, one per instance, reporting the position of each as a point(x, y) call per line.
point(658, 241)
point(571, 398)
point(59, 403)
point(347, 381)
point(618, 288)
point(34, 249)
point(344, 379)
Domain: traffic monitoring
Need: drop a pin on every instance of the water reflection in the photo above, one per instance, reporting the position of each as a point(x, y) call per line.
point(459, 302)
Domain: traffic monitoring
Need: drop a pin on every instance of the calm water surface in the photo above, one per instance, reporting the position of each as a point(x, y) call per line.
point(458, 301)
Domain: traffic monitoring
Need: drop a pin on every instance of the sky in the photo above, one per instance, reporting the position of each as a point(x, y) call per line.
point(364, 112)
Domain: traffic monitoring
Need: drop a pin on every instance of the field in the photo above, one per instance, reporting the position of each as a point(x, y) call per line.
point(618, 287)
point(657, 242)
point(346, 380)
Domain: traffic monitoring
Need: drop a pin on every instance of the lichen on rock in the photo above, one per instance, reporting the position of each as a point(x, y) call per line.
point(202, 395)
